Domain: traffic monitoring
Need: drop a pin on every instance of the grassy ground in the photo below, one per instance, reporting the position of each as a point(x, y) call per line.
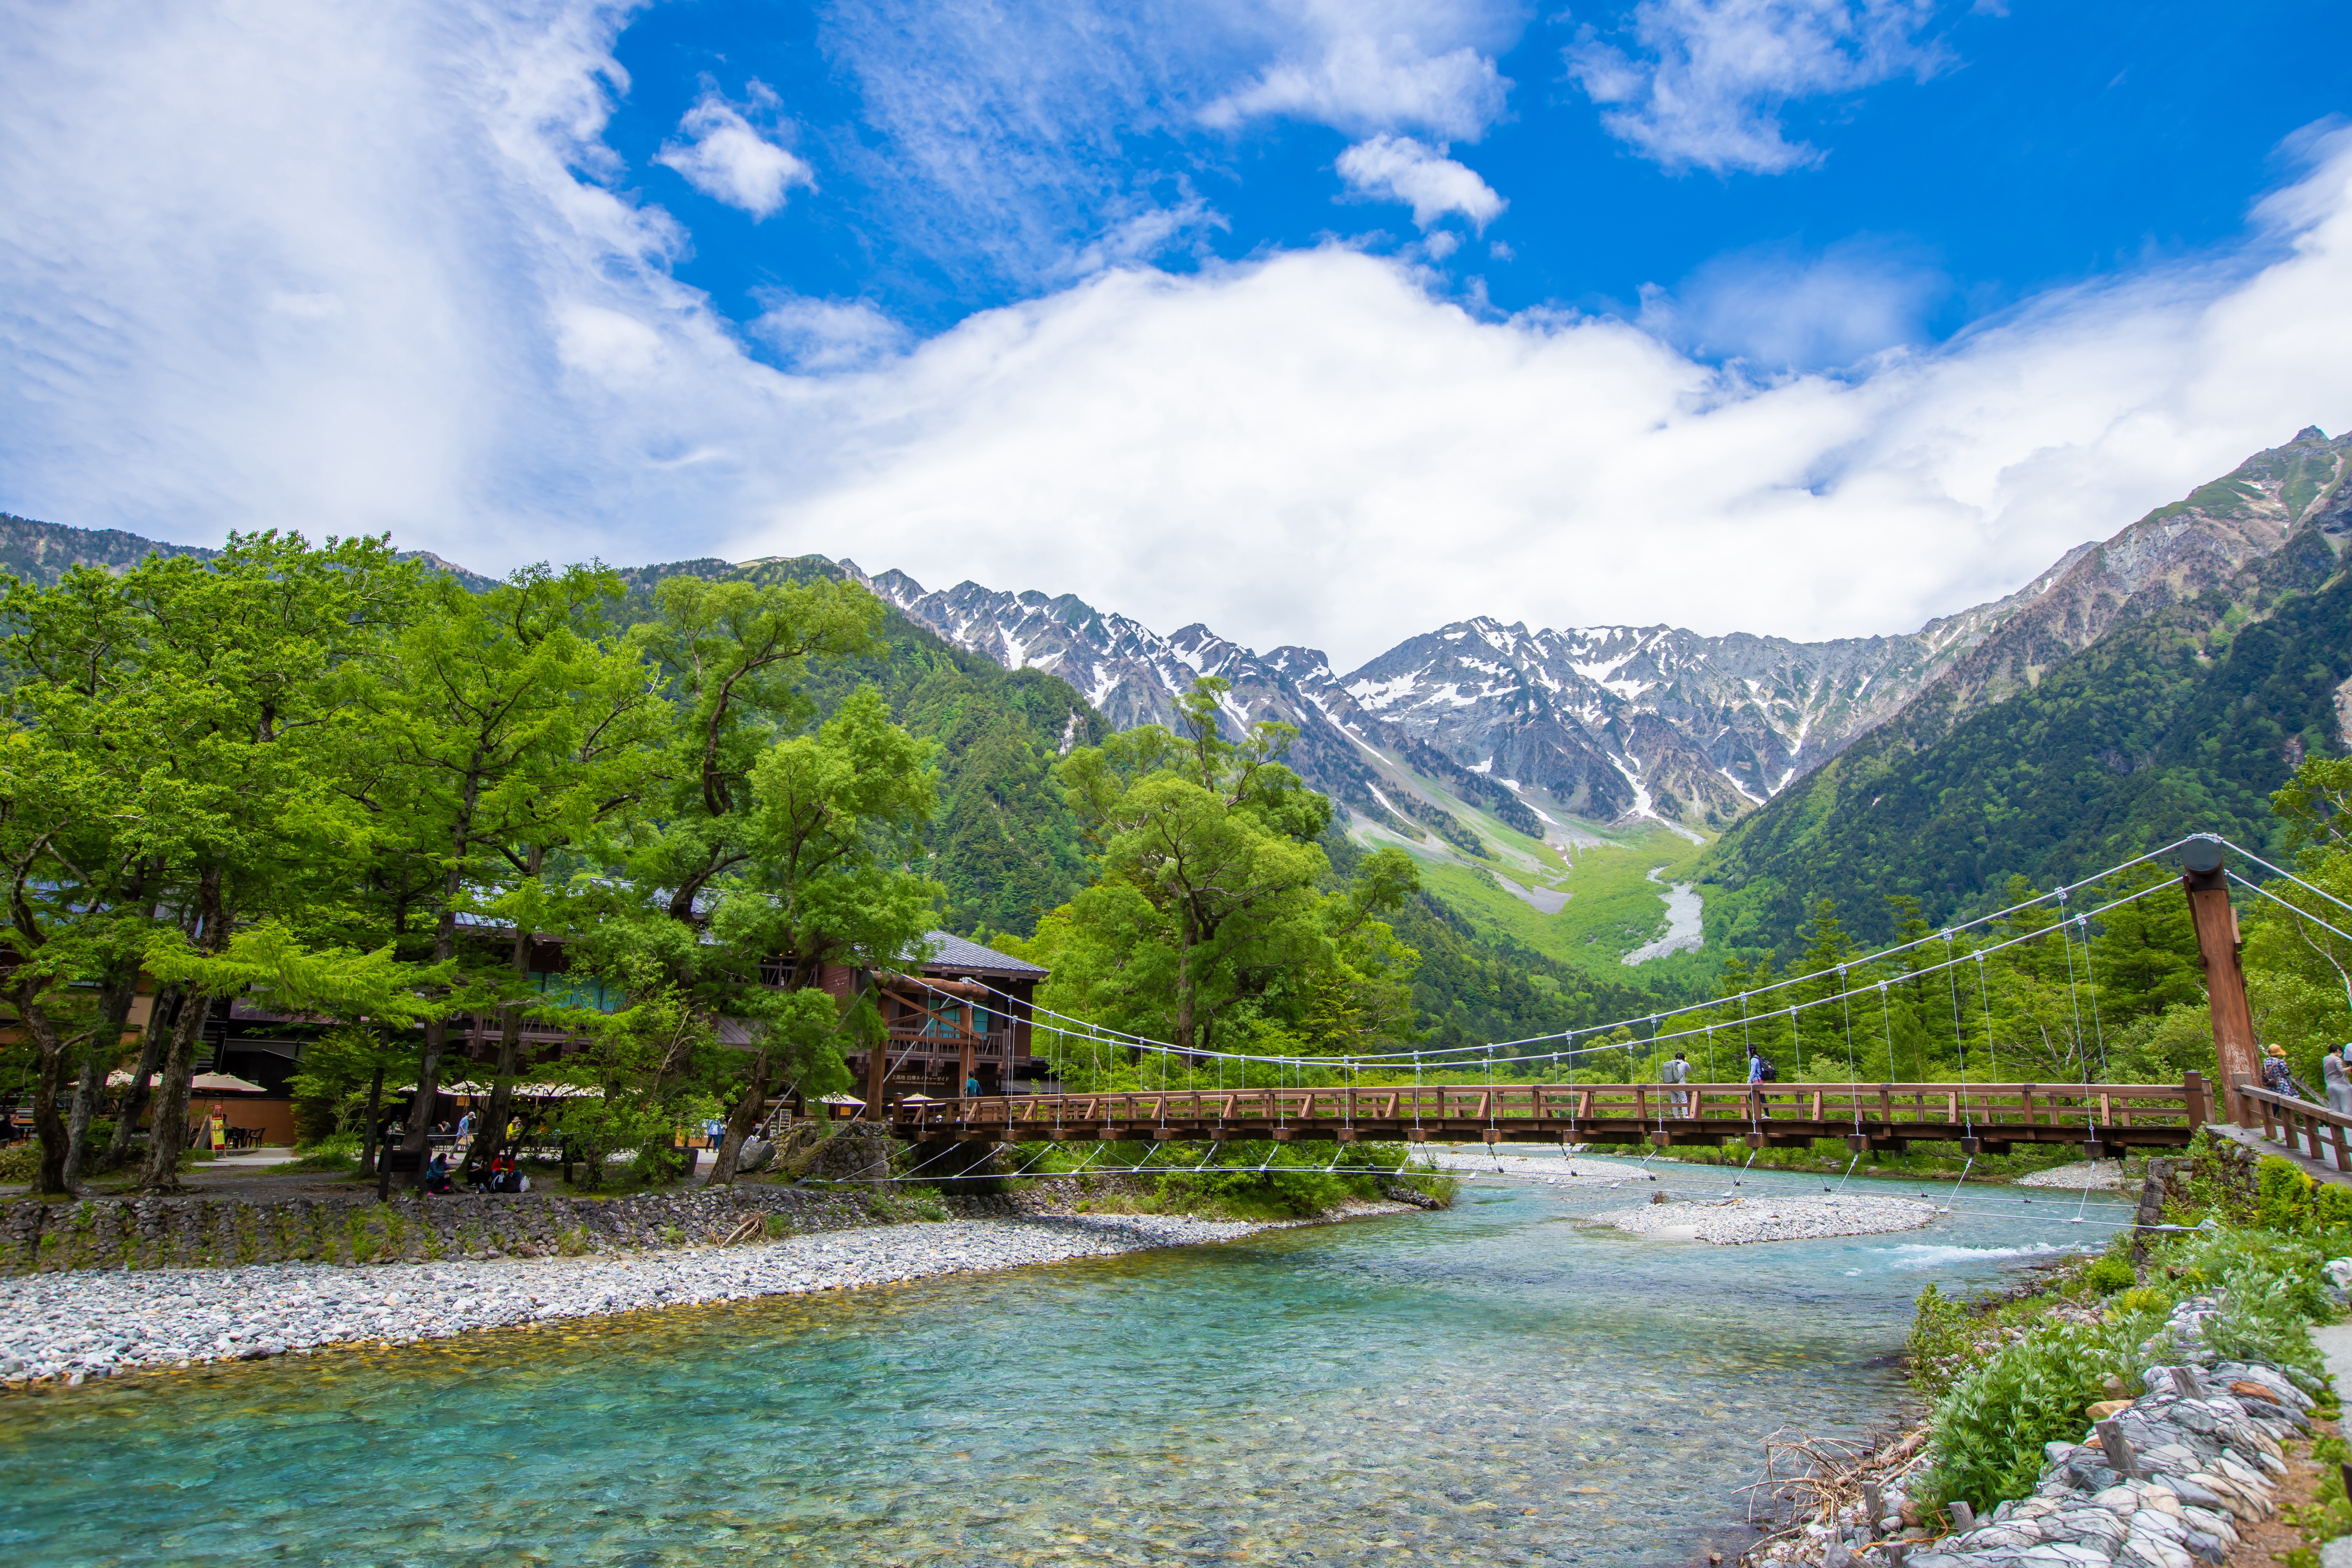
point(1613, 905)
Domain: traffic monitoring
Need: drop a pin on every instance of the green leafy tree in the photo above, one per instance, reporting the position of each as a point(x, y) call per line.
point(504, 726)
point(1212, 924)
point(198, 710)
point(2298, 966)
point(773, 853)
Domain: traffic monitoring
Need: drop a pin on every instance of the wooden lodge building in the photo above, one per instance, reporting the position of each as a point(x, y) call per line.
point(963, 1014)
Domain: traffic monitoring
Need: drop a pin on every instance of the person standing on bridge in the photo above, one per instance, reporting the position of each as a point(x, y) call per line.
point(2335, 1082)
point(2277, 1077)
point(1677, 1071)
point(1759, 1071)
point(972, 1087)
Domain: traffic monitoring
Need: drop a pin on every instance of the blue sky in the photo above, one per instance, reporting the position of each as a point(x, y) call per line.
point(1996, 153)
point(1316, 322)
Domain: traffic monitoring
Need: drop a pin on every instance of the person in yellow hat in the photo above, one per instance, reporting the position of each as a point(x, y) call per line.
point(2277, 1076)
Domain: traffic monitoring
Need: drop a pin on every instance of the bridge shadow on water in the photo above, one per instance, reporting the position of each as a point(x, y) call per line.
point(1499, 1384)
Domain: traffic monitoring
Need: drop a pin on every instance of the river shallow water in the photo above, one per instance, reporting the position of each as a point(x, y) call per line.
point(1500, 1384)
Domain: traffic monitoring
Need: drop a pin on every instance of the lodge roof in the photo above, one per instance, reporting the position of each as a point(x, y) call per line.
point(951, 955)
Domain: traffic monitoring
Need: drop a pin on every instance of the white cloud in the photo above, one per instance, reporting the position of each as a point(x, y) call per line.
point(1308, 448)
point(821, 335)
point(728, 160)
point(1399, 168)
point(1782, 311)
point(1036, 140)
point(1705, 81)
point(1363, 82)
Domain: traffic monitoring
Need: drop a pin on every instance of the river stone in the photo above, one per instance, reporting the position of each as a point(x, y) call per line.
point(2205, 1520)
point(2066, 1554)
point(2226, 1496)
point(2014, 1537)
point(2085, 1526)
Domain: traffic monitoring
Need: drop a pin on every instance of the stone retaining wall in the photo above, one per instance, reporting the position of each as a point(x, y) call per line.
point(184, 1232)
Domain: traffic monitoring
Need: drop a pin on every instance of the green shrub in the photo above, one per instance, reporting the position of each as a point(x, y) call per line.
point(336, 1151)
point(895, 1208)
point(2109, 1275)
point(2283, 1198)
point(1943, 1339)
point(1990, 1426)
point(21, 1161)
point(2332, 1206)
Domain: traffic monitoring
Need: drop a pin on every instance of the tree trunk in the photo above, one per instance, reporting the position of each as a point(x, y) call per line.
point(1183, 985)
point(739, 1122)
point(48, 1052)
point(428, 1085)
point(87, 1089)
point(445, 948)
point(105, 1046)
point(167, 1129)
point(510, 1047)
point(159, 1019)
point(371, 1129)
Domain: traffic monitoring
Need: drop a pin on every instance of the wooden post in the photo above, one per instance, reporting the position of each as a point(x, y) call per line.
point(2205, 880)
point(2117, 1450)
point(878, 1074)
point(964, 1056)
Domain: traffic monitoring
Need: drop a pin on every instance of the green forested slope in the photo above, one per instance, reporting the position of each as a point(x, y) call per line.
point(1005, 842)
point(1476, 983)
point(2182, 721)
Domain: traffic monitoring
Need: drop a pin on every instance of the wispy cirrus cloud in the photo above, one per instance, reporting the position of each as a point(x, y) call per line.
point(1031, 140)
point(726, 158)
point(1398, 168)
point(1705, 82)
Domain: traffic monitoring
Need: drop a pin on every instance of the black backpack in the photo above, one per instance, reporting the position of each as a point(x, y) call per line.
point(1769, 1073)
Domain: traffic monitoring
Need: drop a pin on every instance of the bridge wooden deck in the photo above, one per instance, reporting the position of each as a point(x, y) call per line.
point(1981, 1117)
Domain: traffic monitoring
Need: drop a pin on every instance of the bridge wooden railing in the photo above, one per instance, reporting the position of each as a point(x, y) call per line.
point(2136, 1114)
point(2300, 1125)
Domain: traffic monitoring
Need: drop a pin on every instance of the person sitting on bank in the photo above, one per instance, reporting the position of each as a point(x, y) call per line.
point(504, 1176)
point(436, 1175)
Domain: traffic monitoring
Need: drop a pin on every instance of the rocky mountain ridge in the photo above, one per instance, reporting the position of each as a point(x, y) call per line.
point(1536, 729)
point(1614, 722)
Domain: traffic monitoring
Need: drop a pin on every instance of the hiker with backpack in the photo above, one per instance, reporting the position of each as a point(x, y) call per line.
point(1760, 1071)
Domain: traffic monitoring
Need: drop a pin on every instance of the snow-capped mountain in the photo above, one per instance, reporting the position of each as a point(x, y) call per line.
point(1602, 722)
point(1611, 722)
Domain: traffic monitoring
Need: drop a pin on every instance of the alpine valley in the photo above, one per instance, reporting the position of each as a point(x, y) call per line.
point(1578, 796)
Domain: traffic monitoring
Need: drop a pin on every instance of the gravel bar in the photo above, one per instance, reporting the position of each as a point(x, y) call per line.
point(91, 1322)
point(1736, 1222)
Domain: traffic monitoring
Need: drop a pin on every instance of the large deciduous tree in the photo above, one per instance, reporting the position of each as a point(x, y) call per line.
point(502, 725)
point(774, 852)
point(1209, 921)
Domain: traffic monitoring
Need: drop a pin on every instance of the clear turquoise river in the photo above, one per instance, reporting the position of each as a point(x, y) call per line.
point(1499, 1384)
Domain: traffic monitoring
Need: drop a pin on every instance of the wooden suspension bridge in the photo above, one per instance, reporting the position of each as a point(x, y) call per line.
point(2105, 1120)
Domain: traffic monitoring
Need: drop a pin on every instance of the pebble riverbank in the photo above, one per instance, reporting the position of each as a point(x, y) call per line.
point(1739, 1222)
point(90, 1323)
point(1727, 1222)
